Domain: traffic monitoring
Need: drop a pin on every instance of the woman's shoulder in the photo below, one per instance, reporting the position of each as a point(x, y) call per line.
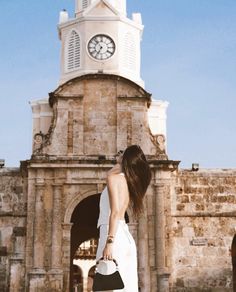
point(115, 177)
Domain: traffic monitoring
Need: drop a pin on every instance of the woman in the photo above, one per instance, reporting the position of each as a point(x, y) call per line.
point(127, 183)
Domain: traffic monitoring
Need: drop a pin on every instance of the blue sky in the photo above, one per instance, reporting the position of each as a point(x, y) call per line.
point(188, 59)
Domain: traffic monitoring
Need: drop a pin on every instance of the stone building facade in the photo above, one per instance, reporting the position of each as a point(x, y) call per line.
point(49, 207)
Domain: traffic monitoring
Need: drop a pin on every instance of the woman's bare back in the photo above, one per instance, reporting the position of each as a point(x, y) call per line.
point(117, 180)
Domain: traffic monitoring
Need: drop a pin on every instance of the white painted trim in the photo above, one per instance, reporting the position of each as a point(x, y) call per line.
point(99, 18)
point(92, 6)
point(39, 102)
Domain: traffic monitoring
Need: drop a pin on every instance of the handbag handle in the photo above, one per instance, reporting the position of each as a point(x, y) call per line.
point(114, 261)
point(109, 260)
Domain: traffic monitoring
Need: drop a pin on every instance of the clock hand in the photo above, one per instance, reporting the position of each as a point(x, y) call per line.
point(101, 47)
point(98, 48)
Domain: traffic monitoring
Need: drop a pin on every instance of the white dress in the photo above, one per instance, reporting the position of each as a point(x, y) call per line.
point(124, 248)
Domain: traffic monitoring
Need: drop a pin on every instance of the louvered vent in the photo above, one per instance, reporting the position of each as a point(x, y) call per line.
point(73, 51)
point(85, 4)
point(129, 59)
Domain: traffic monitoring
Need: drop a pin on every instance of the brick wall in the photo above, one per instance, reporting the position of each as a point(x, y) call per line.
point(12, 226)
point(204, 222)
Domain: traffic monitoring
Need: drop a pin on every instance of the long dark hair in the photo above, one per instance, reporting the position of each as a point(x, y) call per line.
point(138, 175)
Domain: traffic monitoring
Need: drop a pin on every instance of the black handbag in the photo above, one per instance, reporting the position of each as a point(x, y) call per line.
point(105, 281)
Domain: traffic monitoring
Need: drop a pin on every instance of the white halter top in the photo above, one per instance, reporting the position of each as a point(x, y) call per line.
point(104, 207)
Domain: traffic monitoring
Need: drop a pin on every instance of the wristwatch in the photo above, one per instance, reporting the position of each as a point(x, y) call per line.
point(109, 240)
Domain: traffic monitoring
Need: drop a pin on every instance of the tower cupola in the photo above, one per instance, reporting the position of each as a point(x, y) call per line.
point(100, 39)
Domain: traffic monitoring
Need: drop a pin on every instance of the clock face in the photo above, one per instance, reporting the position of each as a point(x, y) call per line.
point(101, 47)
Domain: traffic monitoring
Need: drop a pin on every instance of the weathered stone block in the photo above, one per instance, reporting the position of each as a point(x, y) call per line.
point(180, 207)
point(19, 231)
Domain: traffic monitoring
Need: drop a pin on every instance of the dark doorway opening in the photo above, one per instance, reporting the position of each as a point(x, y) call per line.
point(84, 219)
point(233, 251)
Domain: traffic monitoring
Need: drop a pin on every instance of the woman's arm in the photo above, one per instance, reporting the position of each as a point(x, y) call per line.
point(113, 182)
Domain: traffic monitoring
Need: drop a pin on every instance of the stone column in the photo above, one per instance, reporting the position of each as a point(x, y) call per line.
point(39, 229)
point(162, 269)
point(16, 274)
point(17, 271)
point(56, 227)
point(85, 282)
point(37, 275)
point(143, 256)
point(66, 254)
point(56, 272)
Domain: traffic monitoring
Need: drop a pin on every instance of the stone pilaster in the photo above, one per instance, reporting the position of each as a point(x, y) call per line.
point(37, 275)
point(56, 272)
point(66, 231)
point(143, 255)
point(161, 265)
point(38, 254)
point(56, 227)
point(17, 270)
point(70, 133)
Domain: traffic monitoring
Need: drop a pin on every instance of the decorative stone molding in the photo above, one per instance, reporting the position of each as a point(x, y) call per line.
point(73, 203)
point(160, 142)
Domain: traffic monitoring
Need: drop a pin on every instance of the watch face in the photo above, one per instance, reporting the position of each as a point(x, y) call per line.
point(101, 47)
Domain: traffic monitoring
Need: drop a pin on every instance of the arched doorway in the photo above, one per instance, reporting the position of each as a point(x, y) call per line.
point(84, 219)
point(233, 251)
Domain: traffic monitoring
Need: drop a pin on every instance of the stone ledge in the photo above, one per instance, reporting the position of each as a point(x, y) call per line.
point(12, 214)
point(209, 172)
point(9, 170)
point(94, 162)
point(223, 214)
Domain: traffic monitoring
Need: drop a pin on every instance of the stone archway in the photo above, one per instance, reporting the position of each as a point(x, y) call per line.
point(233, 251)
point(84, 226)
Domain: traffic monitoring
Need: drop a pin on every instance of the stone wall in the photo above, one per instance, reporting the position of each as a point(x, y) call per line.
point(99, 115)
point(12, 230)
point(200, 227)
point(203, 212)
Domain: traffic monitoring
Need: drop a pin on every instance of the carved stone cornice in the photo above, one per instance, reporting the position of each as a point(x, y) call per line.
point(164, 165)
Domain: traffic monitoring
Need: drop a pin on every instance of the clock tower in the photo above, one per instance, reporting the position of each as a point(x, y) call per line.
point(100, 39)
point(99, 108)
